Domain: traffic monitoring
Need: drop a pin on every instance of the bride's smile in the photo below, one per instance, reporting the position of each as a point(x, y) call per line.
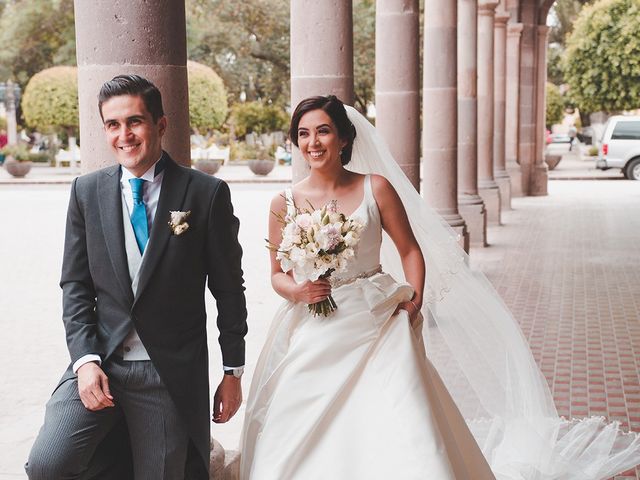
point(318, 139)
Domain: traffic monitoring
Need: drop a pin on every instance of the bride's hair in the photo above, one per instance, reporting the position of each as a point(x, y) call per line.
point(333, 107)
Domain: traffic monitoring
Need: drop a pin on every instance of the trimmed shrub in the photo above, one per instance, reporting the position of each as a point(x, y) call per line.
point(208, 107)
point(555, 105)
point(50, 100)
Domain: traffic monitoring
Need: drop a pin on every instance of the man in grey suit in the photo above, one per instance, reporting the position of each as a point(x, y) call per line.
point(143, 238)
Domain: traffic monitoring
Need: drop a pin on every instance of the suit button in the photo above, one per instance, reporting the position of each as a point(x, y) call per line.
point(127, 349)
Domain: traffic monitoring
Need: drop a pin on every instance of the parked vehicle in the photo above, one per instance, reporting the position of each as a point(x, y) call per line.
point(620, 146)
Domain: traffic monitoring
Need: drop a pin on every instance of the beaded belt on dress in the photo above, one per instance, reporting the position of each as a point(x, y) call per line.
point(338, 282)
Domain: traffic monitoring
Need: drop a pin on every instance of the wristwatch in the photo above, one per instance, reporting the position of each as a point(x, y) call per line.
point(236, 372)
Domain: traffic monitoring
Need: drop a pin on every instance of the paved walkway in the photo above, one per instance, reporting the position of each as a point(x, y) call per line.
point(567, 264)
point(42, 174)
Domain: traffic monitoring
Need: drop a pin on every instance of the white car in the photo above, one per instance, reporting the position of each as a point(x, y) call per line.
point(620, 146)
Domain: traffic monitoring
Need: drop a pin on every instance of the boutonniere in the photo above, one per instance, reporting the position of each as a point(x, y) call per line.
point(178, 223)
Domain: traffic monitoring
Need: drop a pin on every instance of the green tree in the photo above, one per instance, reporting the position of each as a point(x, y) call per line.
point(562, 15)
point(257, 117)
point(364, 47)
point(554, 64)
point(246, 43)
point(555, 105)
point(602, 60)
point(208, 107)
point(36, 34)
point(50, 100)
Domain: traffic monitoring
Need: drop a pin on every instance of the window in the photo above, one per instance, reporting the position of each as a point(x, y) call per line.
point(626, 131)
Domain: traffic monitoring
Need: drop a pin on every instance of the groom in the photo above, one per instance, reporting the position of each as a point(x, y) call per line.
point(142, 239)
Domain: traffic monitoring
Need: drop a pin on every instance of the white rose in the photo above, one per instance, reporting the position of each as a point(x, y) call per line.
point(285, 263)
point(312, 248)
point(304, 221)
point(297, 255)
point(350, 239)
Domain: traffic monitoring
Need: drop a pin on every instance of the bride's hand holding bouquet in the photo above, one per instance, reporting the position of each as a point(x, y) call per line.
point(316, 243)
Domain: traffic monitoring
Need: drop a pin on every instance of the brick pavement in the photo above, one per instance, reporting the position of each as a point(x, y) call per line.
point(568, 266)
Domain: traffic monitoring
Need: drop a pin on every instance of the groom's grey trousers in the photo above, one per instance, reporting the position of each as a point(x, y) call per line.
point(66, 447)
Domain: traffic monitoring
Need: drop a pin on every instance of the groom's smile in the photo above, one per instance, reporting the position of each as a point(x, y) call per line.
point(132, 132)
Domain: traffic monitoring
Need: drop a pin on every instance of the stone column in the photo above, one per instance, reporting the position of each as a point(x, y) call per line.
point(499, 92)
point(321, 56)
point(487, 186)
point(143, 38)
point(540, 171)
point(439, 114)
point(514, 30)
point(10, 104)
point(526, 126)
point(470, 203)
point(398, 82)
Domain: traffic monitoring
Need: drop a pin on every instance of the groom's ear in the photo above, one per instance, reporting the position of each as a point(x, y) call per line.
point(162, 125)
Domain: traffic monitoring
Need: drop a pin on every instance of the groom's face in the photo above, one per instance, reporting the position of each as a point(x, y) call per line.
point(132, 134)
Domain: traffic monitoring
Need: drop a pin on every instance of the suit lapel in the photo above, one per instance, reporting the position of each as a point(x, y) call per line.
point(110, 205)
point(172, 193)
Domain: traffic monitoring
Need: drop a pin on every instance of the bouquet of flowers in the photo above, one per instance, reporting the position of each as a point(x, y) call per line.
point(316, 243)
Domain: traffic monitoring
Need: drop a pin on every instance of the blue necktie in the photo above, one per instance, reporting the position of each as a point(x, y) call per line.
point(139, 214)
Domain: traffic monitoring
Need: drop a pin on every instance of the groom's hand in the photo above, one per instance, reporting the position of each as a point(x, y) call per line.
point(93, 386)
point(227, 399)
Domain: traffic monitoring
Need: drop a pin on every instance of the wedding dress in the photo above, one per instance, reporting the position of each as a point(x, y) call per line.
point(362, 395)
point(352, 395)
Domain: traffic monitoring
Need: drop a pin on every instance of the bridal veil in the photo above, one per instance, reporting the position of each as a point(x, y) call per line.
point(483, 357)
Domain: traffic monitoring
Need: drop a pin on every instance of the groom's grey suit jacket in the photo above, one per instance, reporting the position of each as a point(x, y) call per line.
point(168, 308)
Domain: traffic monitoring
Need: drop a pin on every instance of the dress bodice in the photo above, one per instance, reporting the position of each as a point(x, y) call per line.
point(367, 251)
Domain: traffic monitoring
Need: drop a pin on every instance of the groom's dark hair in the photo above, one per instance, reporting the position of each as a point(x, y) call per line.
point(134, 85)
point(333, 107)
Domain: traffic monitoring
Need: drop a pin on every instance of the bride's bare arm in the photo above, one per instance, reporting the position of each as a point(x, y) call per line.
point(396, 224)
point(283, 283)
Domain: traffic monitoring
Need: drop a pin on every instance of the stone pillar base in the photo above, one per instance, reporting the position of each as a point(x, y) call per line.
point(515, 176)
point(491, 198)
point(475, 216)
point(463, 236)
point(539, 180)
point(231, 466)
point(223, 464)
point(456, 222)
point(216, 459)
point(504, 185)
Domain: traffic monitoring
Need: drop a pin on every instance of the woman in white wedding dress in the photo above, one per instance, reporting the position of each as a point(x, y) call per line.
point(353, 395)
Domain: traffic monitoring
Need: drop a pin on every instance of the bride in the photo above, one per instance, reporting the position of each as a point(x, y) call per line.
point(353, 395)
